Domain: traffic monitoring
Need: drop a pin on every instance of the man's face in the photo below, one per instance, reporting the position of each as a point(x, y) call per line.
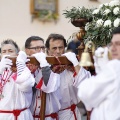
point(35, 47)
point(115, 47)
point(56, 47)
point(8, 49)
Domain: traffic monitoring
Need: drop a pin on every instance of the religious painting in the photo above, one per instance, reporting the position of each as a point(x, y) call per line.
point(44, 5)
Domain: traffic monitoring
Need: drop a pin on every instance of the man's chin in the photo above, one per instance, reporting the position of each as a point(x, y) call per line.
point(115, 57)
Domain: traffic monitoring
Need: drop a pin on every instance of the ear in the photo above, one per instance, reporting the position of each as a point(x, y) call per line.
point(47, 51)
point(27, 51)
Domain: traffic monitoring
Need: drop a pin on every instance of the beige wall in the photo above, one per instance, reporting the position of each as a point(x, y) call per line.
point(16, 20)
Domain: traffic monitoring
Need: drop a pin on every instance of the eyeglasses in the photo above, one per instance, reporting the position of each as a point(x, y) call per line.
point(38, 48)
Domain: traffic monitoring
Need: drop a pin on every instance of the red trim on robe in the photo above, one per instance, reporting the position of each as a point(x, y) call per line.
point(14, 76)
point(39, 85)
point(74, 74)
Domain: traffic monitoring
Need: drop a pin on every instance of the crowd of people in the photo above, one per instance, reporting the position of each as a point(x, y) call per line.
point(65, 86)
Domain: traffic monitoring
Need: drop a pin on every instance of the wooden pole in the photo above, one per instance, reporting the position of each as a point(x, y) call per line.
point(53, 61)
point(43, 106)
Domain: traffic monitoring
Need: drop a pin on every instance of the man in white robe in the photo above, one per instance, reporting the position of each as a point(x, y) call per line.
point(101, 93)
point(46, 81)
point(69, 78)
point(15, 85)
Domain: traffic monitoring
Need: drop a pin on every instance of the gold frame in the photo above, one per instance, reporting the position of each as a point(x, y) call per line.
point(35, 12)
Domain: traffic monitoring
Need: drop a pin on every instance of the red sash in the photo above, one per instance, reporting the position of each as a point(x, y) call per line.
point(72, 107)
point(15, 112)
point(52, 115)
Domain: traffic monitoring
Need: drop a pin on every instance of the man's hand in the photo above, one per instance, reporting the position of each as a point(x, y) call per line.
point(21, 62)
point(41, 58)
point(100, 58)
point(72, 58)
point(5, 63)
point(22, 57)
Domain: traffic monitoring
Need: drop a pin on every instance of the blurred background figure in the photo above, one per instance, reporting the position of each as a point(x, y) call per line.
point(73, 44)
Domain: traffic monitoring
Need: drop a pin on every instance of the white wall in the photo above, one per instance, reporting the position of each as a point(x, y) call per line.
point(16, 22)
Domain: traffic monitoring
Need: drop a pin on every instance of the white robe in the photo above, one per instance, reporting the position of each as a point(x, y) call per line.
point(52, 98)
point(17, 95)
point(102, 93)
point(68, 90)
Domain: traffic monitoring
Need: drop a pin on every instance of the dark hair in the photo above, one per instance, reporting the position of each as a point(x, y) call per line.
point(10, 41)
point(32, 38)
point(116, 31)
point(55, 37)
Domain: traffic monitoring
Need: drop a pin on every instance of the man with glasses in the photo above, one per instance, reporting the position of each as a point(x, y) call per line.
point(34, 45)
point(46, 80)
point(101, 93)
